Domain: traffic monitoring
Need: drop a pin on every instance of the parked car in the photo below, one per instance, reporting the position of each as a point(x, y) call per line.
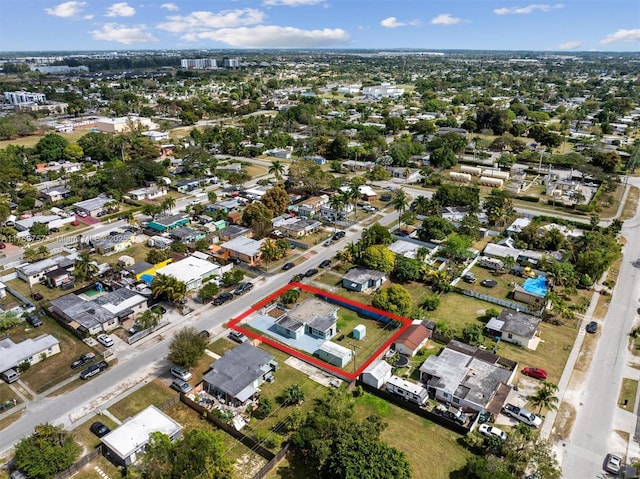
point(238, 337)
point(204, 334)
point(181, 373)
point(325, 263)
point(159, 308)
point(592, 327)
point(82, 214)
point(3, 246)
point(287, 266)
point(329, 242)
point(469, 278)
point(37, 296)
point(99, 429)
point(522, 415)
point(310, 272)
point(369, 208)
point(536, 373)
point(75, 223)
point(54, 230)
point(34, 320)
point(105, 340)
point(492, 431)
point(181, 386)
point(94, 369)
point(242, 288)
point(82, 360)
point(339, 235)
point(613, 464)
point(222, 298)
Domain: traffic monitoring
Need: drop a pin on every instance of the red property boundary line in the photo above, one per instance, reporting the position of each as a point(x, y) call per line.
point(234, 324)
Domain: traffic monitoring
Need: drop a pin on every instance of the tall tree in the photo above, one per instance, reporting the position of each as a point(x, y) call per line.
point(545, 397)
point(84, 267)
point(400, 202)
point(186, 347)
point(277, 169)
point(276, 199)
point(48, 451)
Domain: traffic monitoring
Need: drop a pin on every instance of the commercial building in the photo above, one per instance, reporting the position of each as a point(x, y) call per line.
point(198, 63)
point(191, 271)
point(20, 97)
point(123, 124)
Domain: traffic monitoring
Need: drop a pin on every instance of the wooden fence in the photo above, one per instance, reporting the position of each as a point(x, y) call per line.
point(84, 460)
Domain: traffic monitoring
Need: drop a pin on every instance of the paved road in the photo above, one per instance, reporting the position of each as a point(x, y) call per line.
point(146, 360)
point(592, 436)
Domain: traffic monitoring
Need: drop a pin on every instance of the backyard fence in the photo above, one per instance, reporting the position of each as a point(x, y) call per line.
point(266, 469)
point(146, 332)
point(501, 302)
point(84, 460)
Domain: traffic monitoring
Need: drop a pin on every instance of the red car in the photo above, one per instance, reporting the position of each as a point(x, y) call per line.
point(535, 373)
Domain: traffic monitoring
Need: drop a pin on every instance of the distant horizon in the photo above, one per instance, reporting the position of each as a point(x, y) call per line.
point(485, 25)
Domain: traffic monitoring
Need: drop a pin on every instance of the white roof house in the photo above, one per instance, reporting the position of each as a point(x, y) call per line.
point(190, 270)
point(30, 350)
point(131, 438)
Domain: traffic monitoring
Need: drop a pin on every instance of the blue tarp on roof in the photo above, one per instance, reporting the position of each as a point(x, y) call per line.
point(536, 286)
point(147, 278)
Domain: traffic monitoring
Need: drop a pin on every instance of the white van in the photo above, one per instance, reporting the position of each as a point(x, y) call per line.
point(10, 375)
point(11, 220)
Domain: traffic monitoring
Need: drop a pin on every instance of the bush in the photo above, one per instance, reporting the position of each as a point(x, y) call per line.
point(265, 406)
point(290, 297)
point(24, 366)
point(231, 278)
point(431, 302)
point(531, 199)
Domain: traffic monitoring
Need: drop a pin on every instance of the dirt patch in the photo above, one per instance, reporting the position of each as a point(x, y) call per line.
point(565, 418)
point(248, 465)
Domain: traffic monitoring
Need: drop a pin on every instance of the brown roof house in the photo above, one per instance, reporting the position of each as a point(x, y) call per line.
point(412, 340)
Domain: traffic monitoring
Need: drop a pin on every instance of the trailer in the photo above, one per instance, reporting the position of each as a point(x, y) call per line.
point(412, 392)
point(493, 182)
point(472, 170)
point(491, 263)
point(501, 175)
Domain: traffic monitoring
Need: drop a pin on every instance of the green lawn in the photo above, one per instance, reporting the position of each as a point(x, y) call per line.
point(221, 346)
point(154, 393)
point(628, 393)
point(85, 437)
point(504, 288)
point(457, 310)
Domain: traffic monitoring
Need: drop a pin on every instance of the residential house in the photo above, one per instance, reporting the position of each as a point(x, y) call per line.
point(160, 242)
point(101, 313)
point(515, 327)
point(51, 221)
point(362, 279)
point(59, 277)
point(358, 165)
point(317, 159)
point(311, 206)
point(31, 350)
point(191, 270)
point(168, 223)
point(413, 248)
point(94, 206)
point(231, 167)
point(187, 185)
point(246, 250)
point(156, 135)
point(300, 228)
point(468, 377)
point(114, 242)
point(412, 339)
point(139, 268)
point(237, 375)
point(377, 373)
point(128, 441)
point(235, 231)
point(409, 175)
point(528, 296)
point(147, 193)
point(283, 153)
point(226, 205)
point(334, 354)
point(184, 234)
point(55, 194)
point(255, 192)
point(319, 318)
point(33, 273)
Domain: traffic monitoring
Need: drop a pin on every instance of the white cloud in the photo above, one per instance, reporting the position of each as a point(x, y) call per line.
point(622, 35)
point(271, 36)
point(89, 17)
point(203, 20)
point(66, 9)
point(291, 3)
point(445, 19)
point(122, 9)
point(570, 45)
point(543, 7)
point(113, 32)
point(393, 22)
point(172, 7)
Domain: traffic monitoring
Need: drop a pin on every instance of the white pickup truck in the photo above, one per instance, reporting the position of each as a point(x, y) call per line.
point(522, 415)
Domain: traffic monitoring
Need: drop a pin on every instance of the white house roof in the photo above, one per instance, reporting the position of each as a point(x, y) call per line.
point(12, 354)
point(189, 269)
point(133, 434)
point(44, 219)
point(379, 369)
point(242, 245)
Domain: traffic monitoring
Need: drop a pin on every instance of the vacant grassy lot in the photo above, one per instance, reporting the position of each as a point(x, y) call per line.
point(504, 288)
point(433, 451)
point(628, 392)
point(32, 140)
point(154, 393)
point(631, 205)
point(221, 346)
point(54, 369)
point(457, 310)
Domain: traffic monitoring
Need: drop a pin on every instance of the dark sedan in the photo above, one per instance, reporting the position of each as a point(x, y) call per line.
point(310, 272)
point(99, 429)
point(287, 266)
point(222, 298)
point(325, 263)
point(592, 327)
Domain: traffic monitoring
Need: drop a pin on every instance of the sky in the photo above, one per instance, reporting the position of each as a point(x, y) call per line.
point(569, 25)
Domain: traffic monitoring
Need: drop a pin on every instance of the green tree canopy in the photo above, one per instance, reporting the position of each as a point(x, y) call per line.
point(378, 257)
point(395, 299)
point(186, 347)
point(435, 228)
point(46, 452)
point(51, 147)
point(276, 200)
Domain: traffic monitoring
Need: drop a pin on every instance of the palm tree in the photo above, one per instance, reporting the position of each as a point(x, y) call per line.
point(168, 203)
point(400, 203)
point(270, 250)
point(293, 395)
point(148, 319)
point(84, 267)
point(545, 397)
point(337, 203)
point(354, 196)
point(277, 168)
